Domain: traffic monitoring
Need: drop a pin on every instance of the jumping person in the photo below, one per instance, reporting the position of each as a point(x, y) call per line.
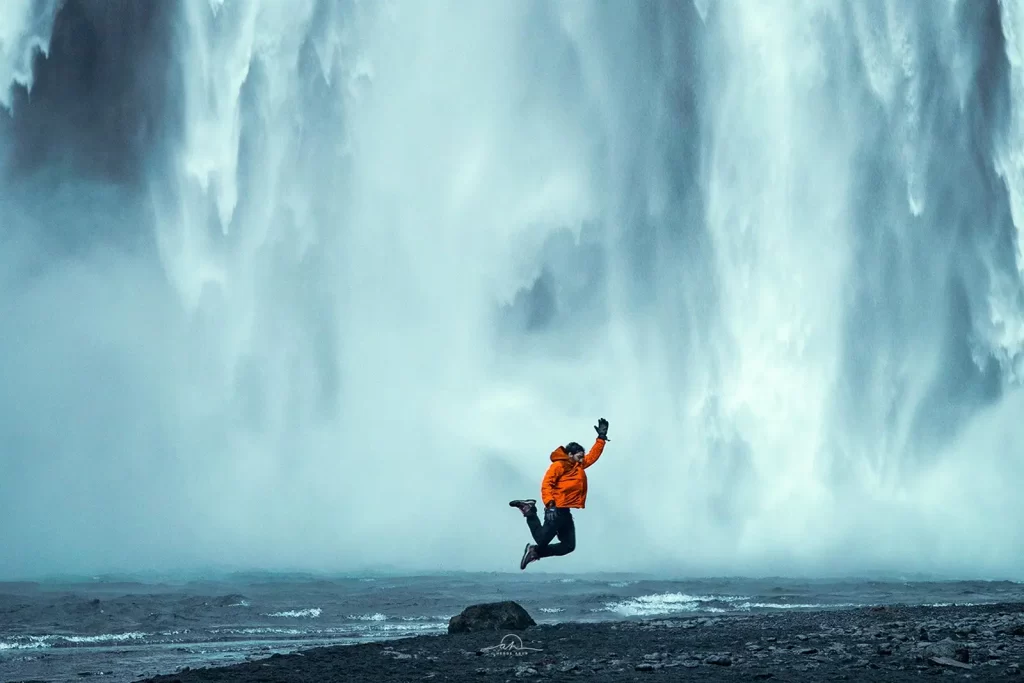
point(564, 487)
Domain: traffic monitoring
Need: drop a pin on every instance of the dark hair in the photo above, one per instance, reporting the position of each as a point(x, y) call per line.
point(573, 447)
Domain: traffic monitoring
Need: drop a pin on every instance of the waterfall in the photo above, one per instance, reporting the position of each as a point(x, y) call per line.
point(321, 284)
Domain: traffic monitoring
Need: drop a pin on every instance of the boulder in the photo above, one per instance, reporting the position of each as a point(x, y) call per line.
point(491, 616)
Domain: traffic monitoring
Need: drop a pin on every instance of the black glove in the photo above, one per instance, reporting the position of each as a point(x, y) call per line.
point(602, 429)
point(550, 514)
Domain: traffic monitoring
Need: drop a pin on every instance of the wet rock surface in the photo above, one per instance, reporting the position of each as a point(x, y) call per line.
point(875, 644)
point(491, 616)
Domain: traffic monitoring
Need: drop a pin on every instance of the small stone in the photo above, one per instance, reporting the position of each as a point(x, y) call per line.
point(718, 660)
point(946, 661)
point(1014, 629)
point(944, 648)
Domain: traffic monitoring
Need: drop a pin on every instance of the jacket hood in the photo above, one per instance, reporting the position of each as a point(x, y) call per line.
point(559, 454)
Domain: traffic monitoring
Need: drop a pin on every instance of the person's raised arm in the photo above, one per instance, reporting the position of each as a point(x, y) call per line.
point(598, 448)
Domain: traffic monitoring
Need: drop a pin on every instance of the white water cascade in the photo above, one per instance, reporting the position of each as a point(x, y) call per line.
point(319, 285)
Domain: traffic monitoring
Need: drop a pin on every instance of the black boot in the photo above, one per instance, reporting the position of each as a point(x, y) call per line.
point(529, 555)
point(527, 507)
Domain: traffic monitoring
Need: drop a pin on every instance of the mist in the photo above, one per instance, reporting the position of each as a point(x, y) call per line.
point(308, 285)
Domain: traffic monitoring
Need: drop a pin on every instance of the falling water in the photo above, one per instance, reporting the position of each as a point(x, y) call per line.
point(303, 284)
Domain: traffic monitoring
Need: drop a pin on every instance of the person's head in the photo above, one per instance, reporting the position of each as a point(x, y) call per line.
point(574, 451)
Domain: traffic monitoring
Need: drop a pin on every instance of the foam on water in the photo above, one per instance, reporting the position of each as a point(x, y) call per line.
point(32, 642)
point(666, 603)
point(311, 613)
point(792, 605)
point(259, 631)
point(25, 643)
point(376, 616)
point(669, 603)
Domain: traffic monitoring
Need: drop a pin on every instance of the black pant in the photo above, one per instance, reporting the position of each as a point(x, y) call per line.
point(563, 527)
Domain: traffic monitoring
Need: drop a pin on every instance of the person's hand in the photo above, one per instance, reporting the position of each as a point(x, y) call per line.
point(550, 513)
point(602, 429)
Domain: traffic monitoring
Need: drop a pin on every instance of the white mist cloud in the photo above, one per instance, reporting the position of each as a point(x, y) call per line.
point(313, 362)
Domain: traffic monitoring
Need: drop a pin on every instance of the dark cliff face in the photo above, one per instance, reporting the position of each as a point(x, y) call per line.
point(99, 102)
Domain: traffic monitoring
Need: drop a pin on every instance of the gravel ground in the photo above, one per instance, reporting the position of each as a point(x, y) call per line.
point(877, 644)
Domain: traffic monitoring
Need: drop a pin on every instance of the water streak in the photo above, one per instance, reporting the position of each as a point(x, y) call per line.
point(356, 268)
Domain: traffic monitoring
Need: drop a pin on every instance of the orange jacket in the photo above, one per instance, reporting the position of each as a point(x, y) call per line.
point(566, 481)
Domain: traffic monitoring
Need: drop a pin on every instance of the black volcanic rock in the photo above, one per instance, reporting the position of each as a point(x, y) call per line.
point(491, 616)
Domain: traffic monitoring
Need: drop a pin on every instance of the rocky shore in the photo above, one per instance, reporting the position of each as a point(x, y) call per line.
point(871, 644)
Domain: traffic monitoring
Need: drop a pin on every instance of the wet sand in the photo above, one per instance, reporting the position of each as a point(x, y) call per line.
point(868, 644)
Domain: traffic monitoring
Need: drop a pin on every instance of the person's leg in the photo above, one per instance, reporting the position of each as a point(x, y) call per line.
point(542, 533)
point(565, 529)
